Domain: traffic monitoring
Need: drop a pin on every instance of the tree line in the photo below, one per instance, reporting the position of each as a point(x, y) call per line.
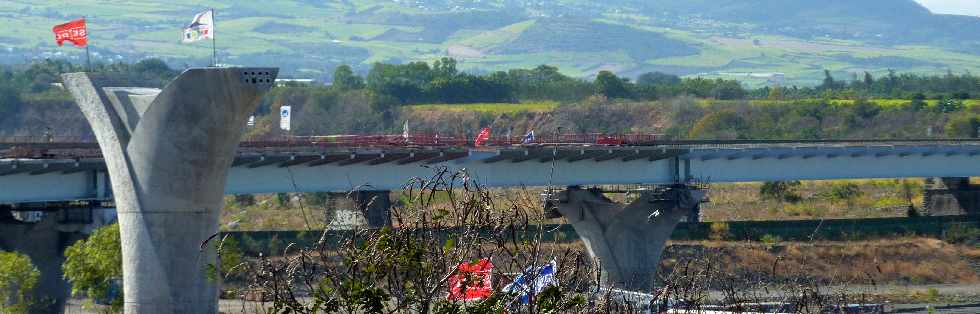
point(418, 82)
point(442, 82)
point(684, 107)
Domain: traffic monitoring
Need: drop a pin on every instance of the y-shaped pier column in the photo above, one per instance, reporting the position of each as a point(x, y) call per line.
point(168, 154)
point(628, 240)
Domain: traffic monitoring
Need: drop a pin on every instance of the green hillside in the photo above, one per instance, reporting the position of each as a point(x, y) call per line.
point(755, 41)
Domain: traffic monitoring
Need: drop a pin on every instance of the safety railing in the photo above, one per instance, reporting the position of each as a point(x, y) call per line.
point(439, 140)
point(61, 146)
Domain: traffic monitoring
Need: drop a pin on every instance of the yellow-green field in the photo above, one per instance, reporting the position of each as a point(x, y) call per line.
point(547, 106)
point(887, 103)
point(494, 108)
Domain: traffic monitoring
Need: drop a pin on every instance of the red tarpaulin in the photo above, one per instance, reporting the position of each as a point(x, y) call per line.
point(73, 31)
point(471, 281)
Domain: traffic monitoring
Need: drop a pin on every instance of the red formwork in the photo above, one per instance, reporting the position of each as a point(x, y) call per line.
point(439, 140)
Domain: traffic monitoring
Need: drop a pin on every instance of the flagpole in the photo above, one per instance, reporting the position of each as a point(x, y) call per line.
point(88, 56)
point(214, 48)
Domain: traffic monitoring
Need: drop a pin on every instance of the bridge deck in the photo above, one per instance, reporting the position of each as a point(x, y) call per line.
point(58, 172)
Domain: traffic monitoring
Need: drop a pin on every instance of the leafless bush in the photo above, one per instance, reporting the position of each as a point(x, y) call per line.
point(406, 270)
point(450, 219)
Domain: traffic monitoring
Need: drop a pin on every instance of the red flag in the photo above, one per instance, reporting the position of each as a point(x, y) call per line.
point(471, 281)
point(73, 31)
point(482, 137)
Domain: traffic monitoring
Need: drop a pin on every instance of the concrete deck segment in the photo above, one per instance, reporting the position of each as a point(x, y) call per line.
point(168, 161)
point(628, 239)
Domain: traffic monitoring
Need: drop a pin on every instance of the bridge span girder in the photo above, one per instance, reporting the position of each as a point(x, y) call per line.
point(388, 170)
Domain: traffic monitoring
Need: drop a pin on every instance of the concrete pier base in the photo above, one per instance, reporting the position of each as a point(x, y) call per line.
point(359, 209)
point(168, 153)
point(952, 196)
point(376, 207)
point(628, 240)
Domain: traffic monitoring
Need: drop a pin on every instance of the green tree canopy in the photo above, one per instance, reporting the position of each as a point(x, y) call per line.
point(963, 126)
point(345, 79)
point(92, 264)
point(18, 277)
point(657, 79)
point(609, 85)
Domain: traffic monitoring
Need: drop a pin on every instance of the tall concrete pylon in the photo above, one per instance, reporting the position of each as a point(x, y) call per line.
point(628, 239)
point(168, 153)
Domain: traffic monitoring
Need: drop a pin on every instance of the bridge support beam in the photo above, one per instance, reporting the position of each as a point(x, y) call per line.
point(168, 153)
point(628, 240)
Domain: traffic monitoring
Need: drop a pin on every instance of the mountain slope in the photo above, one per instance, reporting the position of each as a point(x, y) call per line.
point(760, 41)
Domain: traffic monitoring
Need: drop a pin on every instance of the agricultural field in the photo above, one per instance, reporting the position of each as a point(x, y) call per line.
point(491, 108)
point(548, 106)
point(308, 39)
point(885, 103)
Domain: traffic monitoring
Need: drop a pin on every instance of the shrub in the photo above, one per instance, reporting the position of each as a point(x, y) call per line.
point(960, 234)
point(963, 126)
point(230, 258)
point(804, 209)
point(244, 200)
point(770, 239)
point(846, 192)
point(93, 264)
point(719, 231)
point(18, 276)
point(405, 269)
point(282, 199)
point(781, 191)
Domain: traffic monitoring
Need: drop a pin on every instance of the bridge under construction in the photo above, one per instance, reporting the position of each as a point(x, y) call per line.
point(166, 157)
point(77, 171)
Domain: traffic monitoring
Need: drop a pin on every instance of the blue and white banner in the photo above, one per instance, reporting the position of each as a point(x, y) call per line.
point(543, 277)
point(528, 138)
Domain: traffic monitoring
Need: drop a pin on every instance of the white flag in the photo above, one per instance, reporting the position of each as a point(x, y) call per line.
point(202, 27)
point(405, 134)
point(285, 115)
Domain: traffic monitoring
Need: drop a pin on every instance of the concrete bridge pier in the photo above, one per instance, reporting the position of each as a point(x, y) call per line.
point(168, 153)
point(628, 239)
point(359, 208)
point(952, 196)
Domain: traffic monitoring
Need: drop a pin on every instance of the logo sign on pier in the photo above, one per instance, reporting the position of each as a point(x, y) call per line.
point(285, 115)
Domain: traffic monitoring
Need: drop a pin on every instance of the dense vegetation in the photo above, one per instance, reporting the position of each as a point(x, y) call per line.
point(94, 266)
point(892, 106)
point(18, 276)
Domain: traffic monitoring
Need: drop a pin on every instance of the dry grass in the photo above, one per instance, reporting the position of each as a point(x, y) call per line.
point(729, 202)
point(741, 201)
point(268, 215)
point(898, 261)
